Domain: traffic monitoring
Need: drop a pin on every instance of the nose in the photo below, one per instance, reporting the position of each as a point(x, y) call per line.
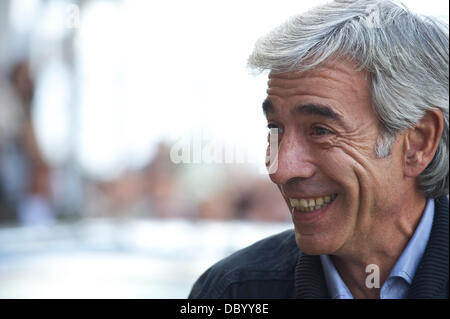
point(293, 160)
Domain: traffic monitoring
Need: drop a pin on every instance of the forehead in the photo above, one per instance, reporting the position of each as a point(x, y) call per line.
point(335, 70)
point(338, 85)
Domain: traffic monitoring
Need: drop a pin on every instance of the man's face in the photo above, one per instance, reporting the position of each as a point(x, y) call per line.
point(338, 191)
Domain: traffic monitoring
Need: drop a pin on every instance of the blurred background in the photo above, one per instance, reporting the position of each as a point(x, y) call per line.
point(132, 143)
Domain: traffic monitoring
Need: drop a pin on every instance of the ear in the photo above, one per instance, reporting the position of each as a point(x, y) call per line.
point(421, 142)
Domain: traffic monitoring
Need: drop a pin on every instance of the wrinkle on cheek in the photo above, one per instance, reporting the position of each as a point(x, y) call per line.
point(361, 137)
point(351, 145)
point(368, 184)
point(364, 168)
point(359, 144)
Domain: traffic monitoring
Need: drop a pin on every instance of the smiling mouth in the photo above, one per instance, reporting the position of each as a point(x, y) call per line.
point(311, 204)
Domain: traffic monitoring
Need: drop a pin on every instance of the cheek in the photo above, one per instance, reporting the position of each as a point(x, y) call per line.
point(390, 175)
point(370, 182)
point(349, 157)
point(337, 165)
point(351, 171)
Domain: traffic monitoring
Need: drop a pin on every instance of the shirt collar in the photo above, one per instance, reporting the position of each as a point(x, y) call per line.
point(407, 264)
point(336, 286)
point(405, 267)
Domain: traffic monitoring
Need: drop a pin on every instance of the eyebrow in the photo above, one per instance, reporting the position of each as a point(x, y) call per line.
point(305, 109)
point(267, 107)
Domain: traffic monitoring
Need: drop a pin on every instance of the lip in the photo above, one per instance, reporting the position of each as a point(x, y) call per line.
point(310, 217)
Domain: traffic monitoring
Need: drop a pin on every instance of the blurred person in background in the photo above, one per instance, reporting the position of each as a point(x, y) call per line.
point(25, 176)
point(166, 197)
point(261, 201)
point(358, 100)
point(154, 191)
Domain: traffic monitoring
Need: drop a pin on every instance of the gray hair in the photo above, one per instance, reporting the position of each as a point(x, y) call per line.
point(406, 55)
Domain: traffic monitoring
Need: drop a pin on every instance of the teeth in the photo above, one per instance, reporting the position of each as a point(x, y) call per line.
point(294, 202)
point(309, 205)
point(303, 203)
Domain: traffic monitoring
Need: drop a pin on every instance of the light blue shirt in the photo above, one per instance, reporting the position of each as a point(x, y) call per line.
point(401, 276)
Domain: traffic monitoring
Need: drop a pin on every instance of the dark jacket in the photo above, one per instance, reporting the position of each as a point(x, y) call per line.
point(275, 268)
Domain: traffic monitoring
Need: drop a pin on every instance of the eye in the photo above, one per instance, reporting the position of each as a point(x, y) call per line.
point(319, 131)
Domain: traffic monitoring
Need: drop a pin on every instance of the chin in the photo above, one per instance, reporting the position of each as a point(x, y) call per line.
point(311, 245)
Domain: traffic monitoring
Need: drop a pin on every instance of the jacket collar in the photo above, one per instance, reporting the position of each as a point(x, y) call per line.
point(432, 275)
point(429, 281)
point(309, 278)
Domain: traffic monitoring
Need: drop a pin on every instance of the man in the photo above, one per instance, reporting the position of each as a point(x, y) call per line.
point(358, 99)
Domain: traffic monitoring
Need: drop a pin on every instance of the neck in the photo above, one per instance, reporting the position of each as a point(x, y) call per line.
point(387, 242)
